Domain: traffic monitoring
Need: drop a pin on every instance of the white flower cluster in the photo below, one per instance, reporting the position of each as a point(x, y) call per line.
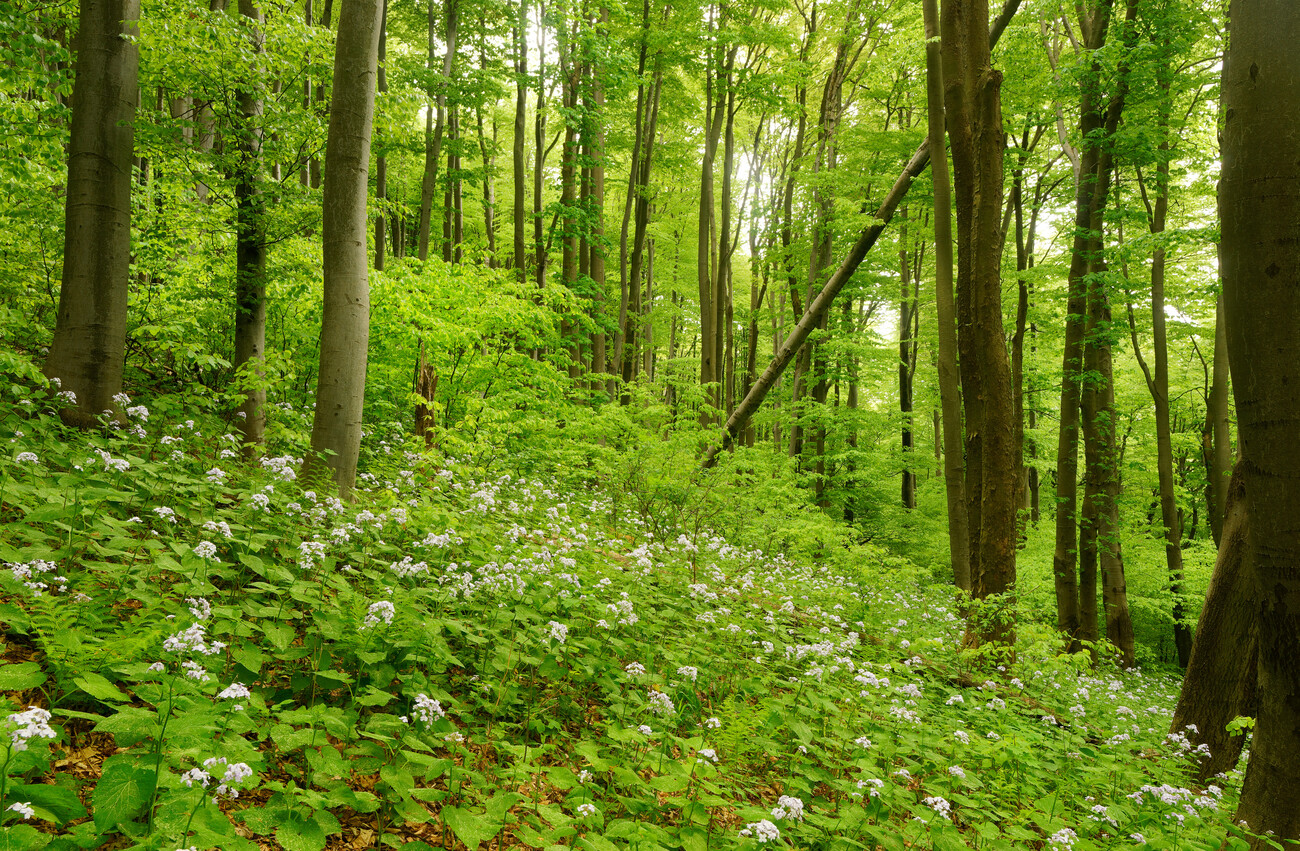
point(192, 640)
point(689, 672)
point(764, 831)
point(205, 549)
point(557, 632)
point(219, 527)
point(31, 723)
point(660, 703)
point(427, 709)
point(1062, 840)
point(407, 568)
point(35, 575)
point(233, 774)
point(380, 612)
point(788, 807)
point(940, 806)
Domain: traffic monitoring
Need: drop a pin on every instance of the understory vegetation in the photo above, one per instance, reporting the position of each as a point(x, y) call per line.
point(537, 633)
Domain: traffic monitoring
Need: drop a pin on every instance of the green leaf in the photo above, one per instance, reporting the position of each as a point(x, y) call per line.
point(299, 834)
point(471, 828)
point(22, 837)
point(59, 801)
point(122, 793)
point(99, 687)
point(21, 677)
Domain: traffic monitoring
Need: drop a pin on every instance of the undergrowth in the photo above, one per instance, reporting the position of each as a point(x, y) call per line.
point(579, 650)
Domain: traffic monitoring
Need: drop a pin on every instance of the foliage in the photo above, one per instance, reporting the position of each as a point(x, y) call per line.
point(510, 647)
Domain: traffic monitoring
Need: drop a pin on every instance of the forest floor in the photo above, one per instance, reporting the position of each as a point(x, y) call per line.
point(476, 657)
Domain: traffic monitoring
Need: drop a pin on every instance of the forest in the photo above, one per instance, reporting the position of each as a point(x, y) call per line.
point(827, 424)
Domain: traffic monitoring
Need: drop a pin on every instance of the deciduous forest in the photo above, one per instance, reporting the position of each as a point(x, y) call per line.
point(650, 424)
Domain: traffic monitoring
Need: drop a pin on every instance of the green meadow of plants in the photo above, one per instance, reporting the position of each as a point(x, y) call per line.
point(542, 632)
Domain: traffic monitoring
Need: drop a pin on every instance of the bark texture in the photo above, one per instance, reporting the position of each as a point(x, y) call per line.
point(345, 326)
point(1259, 210)
point(972, 100)
point(1220, 682)
point(87, 353)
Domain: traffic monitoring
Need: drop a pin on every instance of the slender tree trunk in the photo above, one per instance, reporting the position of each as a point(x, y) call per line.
point(1218, 441)
point(716, 84)
point(596, 247)
point(381, 157)
point(539, 150)
point(1075, 607)
point(487, 152)
point(345, 327)
point(517, 149)
point(906, 307)
point(949, 381)
point(87, 352)
point(435, 120)
point(1259, 212)
point(250, 254)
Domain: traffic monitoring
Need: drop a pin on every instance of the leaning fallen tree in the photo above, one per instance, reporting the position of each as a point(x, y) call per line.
point(820, 305)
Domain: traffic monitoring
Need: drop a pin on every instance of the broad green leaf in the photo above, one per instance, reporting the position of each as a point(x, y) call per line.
point(98, 686)
point(122, 792)
point(21, 676)
point(470, 827)
point(59, 801)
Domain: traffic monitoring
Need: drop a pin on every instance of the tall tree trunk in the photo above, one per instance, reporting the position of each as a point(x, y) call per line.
point(717, 81)
point(381, 157)
point(569, 71)
point(1099, 536)
point(1158, 384)
point(1259, 212)
point(487, 151)
point(517, 149)
point(435, 120)
point(596, 199)
point(250, 253)
point(345, 326)
point(1076, 608)
point(954, 474)
point(87, 353)
point(318, 93)
point(973, 113)
point(1217, 441)
point(539, 150)
point(906, 308)
point(1220, 682)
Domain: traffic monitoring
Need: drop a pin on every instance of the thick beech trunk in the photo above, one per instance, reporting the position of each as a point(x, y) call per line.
point(973, 112)
point(87, 353)
point(345, 326)
point(1259, 212)
point(1220, 682)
